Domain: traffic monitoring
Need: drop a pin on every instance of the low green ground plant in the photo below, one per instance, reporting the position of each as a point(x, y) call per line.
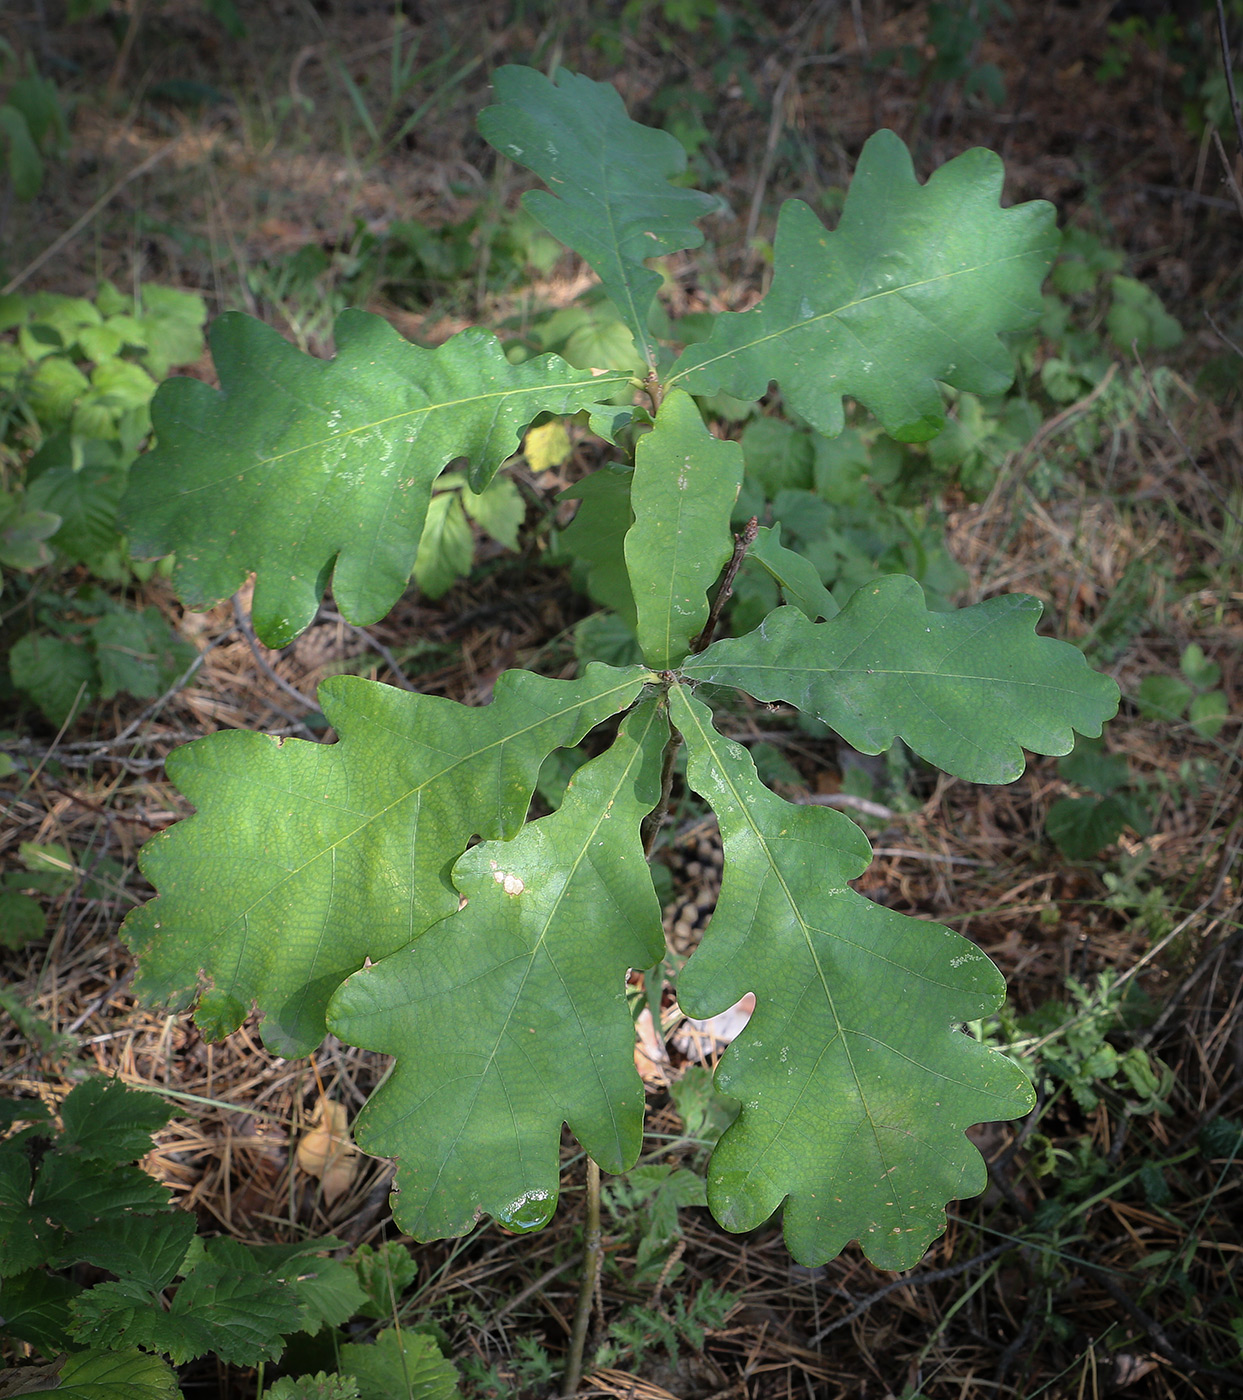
point(77, 376)
point(290, 888)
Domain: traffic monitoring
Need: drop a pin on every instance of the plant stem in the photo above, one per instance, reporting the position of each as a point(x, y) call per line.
point(742, 543)
point(593, 1255)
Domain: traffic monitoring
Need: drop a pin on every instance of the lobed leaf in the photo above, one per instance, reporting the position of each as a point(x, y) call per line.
point(300, 469)
point(855, 1080)
point(684, 487)
point(914, 286)
point(509, 1018)
point(305, 859)
point(964, 689)
point(612, 201)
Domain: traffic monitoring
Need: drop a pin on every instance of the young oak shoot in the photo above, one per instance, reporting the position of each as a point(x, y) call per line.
point(324, 884)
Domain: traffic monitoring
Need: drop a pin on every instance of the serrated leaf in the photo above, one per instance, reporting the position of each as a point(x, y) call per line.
point(305, 858)
point(509, 1018)
point(1081, 827)
point(113, 1375)
point(405, 1364)
point(246, 1314)
point(86, 502)
point(79, 1194)
point(57, 674)
point(108, 1122)
point(963, 689)
point(914, 286)
point(795, 574)
point(138, 652)
point(684, 486)
point(612, 201)
point(856, 1083)
point(35, 1309)
point(301, 468)
point(145, 1249)
point(328, 1291)
point(21, 919)
point(384, 1273)
point(320, 1386)
point(114, 1315)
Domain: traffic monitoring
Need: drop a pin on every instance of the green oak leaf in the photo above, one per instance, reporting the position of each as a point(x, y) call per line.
point(914, 286)
point(684, 487)
point(612, 201)
point(856, 1082)
point(794, 574)
point(305, 859)
point(964, 689)
point(300, 468)
point(509, 1018)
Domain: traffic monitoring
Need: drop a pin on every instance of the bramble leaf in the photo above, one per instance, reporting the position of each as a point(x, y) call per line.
point(112, 1375)
point(305, 859)
point(913, 287)
point(684, 487)
point(616, 206)
point(300, 468)
point(400, 1363)
point(107, 1121)
point(855, 1080)
point(964, 689)
point(509, 1018)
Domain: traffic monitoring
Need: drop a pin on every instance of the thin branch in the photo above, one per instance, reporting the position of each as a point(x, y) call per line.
point(912, 1281)
point(742, 543)
point(1225, 58)
point(377, 646)
point(593, 1254)
point(261, 661)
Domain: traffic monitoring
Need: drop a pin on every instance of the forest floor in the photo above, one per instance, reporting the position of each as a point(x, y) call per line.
point(1120, 1219)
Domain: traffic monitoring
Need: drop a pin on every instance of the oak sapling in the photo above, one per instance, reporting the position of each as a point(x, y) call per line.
point(323, 883)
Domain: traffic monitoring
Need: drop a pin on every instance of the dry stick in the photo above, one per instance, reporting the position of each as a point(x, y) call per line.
point(377, 646)
point(593, 1254)
point(76, 228)
point(742, 543)
point(932, 1276)
point(1225, 58)
point(247, 631)
point(1231, 183)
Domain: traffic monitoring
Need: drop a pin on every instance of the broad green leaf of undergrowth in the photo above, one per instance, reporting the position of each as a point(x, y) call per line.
point(856, 1081)
point(509, 1018)
point(304, 859)
point(303, 469)
point(967, 690)
point(914, 286)
point(595, 538)
point(794, 574)
point(684, 487)
point(113, 1375)
point(611, 199)
point(400, 1365)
